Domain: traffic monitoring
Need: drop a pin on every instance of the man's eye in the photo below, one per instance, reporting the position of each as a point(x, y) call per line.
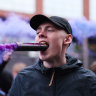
point(38, 32)
point(50, 30)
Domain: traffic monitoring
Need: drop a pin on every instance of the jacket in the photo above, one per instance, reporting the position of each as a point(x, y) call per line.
point(70, 79)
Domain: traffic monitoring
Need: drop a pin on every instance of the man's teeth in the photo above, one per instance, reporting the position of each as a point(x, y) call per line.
point(44, 43)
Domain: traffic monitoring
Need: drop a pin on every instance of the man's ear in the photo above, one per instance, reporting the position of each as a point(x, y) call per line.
point(68, 39)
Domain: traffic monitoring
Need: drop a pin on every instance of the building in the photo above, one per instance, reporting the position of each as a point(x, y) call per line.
point(66, 8)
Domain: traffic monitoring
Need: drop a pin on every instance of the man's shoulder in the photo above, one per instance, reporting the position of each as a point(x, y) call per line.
point(86, 73)
point(28, 70)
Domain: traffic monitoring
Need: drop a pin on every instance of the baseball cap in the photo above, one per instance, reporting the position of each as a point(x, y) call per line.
point(56, 20)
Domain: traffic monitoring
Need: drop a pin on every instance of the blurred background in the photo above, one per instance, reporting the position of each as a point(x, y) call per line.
point(81, 14)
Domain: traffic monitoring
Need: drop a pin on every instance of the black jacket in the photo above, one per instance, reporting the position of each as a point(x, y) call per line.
point(5, 78)
point(5, 81)
point(68, 80)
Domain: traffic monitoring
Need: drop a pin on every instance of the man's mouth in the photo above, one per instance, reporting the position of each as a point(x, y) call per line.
point(44, 43)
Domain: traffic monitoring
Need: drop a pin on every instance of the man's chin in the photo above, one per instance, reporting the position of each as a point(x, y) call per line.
point(43, 58)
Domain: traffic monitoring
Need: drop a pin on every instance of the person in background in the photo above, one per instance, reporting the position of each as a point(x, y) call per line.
point(17, 67)
point(6, 80)
point(6, 77)
point(55, 73)
point(93, 67)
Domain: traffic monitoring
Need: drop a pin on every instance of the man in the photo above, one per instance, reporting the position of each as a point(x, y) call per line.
point(17, 67)
point(93, 66)
point(55, 73)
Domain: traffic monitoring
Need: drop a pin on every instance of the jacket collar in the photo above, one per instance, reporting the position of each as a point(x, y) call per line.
point(72, 63)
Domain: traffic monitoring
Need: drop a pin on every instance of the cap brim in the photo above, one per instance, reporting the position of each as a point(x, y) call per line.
point(37, 20)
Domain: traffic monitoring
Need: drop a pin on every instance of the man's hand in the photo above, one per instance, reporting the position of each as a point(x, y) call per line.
point(4, 58)
point(7, 56)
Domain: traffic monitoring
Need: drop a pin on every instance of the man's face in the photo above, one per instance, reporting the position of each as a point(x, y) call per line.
point(54, 37)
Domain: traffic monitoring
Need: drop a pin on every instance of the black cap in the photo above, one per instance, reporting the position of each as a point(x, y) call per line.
point(58, 21)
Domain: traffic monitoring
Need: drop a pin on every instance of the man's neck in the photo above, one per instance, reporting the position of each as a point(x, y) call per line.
point(54, 63)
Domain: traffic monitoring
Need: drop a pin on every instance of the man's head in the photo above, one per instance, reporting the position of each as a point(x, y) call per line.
point(58, 21)
point(17, 67)
point(55, 31)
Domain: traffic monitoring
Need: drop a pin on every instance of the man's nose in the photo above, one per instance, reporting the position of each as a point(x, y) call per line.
point(42, 34)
